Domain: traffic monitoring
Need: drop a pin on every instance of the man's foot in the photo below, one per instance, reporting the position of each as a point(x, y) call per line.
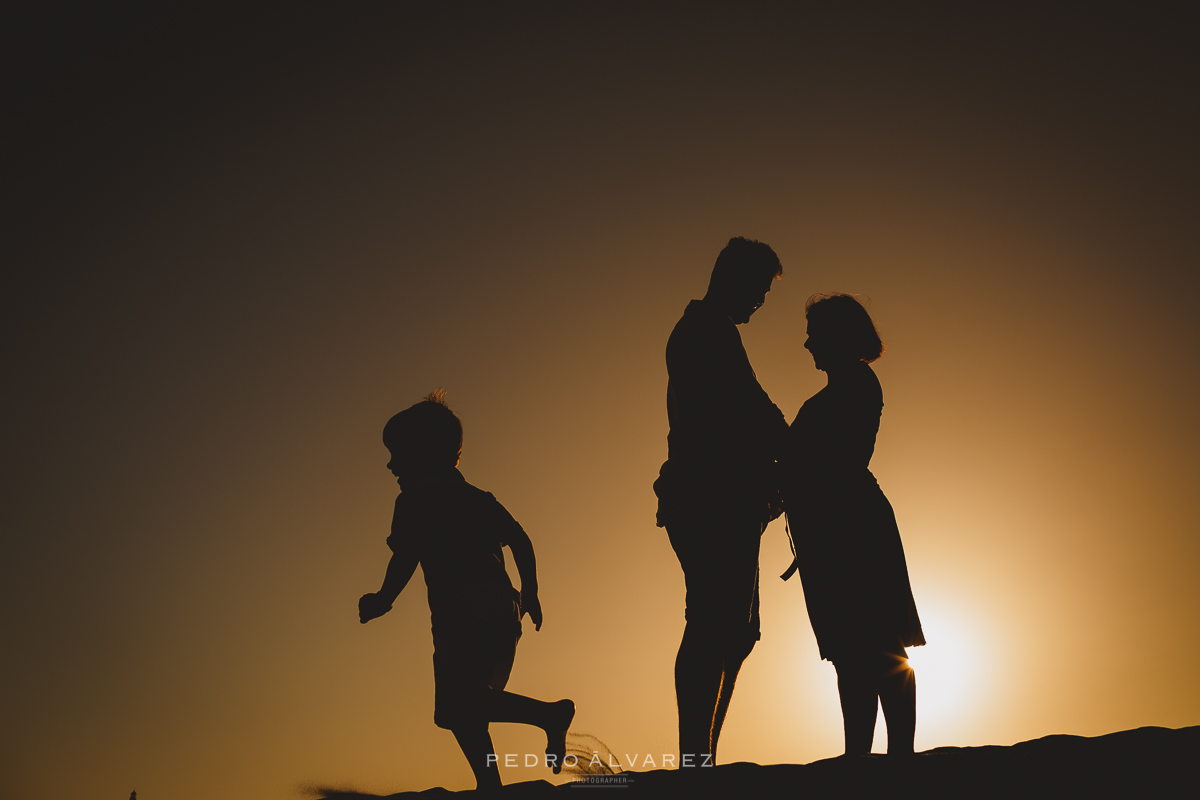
point(556, 733)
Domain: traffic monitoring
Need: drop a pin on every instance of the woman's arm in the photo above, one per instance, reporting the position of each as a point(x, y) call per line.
point(854, 423)
point(859, 426)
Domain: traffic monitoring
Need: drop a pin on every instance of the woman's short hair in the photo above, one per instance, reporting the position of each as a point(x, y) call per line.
point(848, 322)
point(429, 427)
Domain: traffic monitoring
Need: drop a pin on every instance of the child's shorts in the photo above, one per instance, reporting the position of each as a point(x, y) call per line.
point(470, 659)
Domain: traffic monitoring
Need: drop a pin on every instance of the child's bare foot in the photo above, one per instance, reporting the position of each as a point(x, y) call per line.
point(490, 785)
point(556, 733)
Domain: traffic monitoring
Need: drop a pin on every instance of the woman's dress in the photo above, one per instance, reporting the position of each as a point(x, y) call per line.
point(848, 548)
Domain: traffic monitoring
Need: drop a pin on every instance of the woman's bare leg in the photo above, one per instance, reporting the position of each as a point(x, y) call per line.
point(860, 706)
point(898, 695)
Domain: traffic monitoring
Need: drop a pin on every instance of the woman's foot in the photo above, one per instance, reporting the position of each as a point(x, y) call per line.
point(556, 733)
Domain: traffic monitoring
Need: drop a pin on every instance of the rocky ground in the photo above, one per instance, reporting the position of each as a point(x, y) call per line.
point(1141, 763)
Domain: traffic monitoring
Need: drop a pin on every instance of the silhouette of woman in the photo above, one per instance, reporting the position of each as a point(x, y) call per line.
point(844, 533)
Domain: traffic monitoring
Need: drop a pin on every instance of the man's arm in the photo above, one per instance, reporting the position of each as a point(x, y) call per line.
point(526, 561)
point(399, 571)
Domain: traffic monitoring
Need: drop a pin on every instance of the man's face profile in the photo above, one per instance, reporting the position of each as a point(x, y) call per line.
point(748, 298)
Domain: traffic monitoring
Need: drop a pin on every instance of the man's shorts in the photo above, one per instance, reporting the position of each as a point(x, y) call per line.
point(470, 659)
point(720, 570)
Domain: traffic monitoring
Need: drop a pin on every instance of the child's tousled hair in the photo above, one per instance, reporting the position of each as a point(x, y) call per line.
point(428, 427)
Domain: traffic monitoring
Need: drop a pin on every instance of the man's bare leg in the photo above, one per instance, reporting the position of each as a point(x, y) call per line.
point(732, 665)
point(698, 676)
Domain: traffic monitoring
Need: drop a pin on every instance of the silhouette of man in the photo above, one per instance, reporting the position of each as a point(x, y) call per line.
point(717, 489)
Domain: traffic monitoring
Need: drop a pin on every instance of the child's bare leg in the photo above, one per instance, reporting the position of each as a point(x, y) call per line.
point(476, 744)
point(553, 718)
point(898, 696)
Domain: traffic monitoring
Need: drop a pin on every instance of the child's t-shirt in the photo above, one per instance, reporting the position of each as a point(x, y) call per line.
point(457, 531)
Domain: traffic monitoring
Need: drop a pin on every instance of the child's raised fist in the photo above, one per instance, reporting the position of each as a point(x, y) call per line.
point(371, 606)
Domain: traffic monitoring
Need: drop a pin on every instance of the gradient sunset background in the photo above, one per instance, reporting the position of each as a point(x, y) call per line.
point(236, 241)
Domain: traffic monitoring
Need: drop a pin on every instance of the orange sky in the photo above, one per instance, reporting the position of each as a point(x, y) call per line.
point(241, 241)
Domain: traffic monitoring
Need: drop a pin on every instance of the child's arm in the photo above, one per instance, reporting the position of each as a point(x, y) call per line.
point(526, 561)
point(400, 569)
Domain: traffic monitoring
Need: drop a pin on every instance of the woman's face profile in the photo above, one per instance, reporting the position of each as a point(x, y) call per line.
point(814, 344)
point(824, 346)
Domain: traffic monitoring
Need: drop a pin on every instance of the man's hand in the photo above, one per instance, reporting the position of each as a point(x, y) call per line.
point(372, 605)
point(533, 607)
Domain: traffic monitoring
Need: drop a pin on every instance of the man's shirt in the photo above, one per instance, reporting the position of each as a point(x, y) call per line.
point(725, 431)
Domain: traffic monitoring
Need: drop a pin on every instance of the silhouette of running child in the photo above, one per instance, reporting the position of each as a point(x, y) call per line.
point(455, 532)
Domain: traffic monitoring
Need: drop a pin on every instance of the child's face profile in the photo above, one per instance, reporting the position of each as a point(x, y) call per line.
point(409, 463)
point(401, 464)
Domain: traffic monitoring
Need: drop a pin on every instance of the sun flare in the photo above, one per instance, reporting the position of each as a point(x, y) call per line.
point(949, 670)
